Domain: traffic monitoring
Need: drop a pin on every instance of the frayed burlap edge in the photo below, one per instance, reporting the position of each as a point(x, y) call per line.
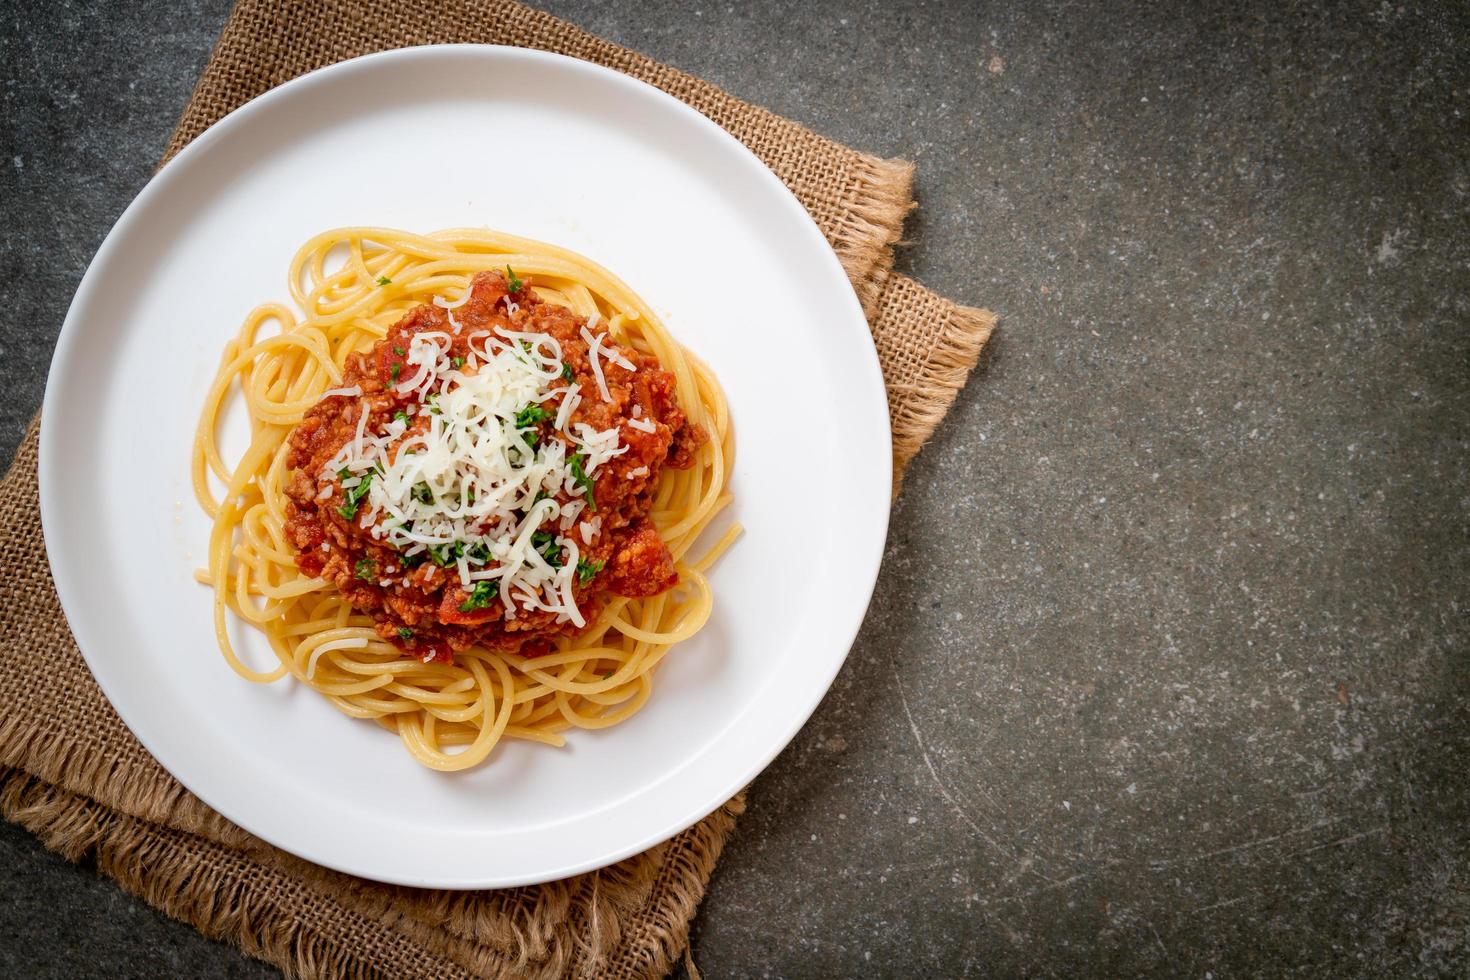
point(924, 404)
point(237, 900)
point(74, 767)
point(167, 872)
point(876, 221)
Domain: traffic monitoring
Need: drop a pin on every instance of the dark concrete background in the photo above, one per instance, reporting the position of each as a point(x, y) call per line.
point(1166, 672)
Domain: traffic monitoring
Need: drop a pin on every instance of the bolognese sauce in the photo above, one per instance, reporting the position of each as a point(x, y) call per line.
point(486, 471)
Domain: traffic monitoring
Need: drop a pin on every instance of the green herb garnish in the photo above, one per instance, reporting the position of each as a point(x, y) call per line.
point(527, 418)
point(481, 596)
point(366, 569)
point(586, 570)
point(393, 373)
point(479, 553)
point(445, 555)
point(404, 633)
point(352, 498)
point(566, 371)
point(531, 415)
point(457, 361)
point(402, 416)
point(515, 280)
point(398, 350)
point(384, 280)
point(545, 543)
point(422, 493)
point(583, 480)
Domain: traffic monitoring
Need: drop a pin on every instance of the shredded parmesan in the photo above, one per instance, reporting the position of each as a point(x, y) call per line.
point(355, 391)
point(594, 346)
point(464, 489)
point(614, 355)
point(569, 404)
point(444, 304)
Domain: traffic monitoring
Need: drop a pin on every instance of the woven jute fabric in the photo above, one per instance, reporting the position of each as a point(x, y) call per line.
point(72, 772)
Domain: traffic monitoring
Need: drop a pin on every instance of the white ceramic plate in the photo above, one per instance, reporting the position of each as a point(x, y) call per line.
point(537, 145)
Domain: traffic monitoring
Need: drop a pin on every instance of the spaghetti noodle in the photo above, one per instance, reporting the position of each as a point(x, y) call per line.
point(453, 692)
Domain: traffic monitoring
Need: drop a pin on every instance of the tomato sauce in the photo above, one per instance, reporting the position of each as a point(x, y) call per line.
point(423, 607)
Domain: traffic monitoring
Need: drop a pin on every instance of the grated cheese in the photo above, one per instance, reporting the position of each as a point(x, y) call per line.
point(594, 345)
point(469, 481)
point(614, 355)
point(444, 304)
point(569, 402)
point(354, 391)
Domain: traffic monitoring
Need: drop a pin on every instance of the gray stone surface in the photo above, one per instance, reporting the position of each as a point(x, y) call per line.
point(1167, 668)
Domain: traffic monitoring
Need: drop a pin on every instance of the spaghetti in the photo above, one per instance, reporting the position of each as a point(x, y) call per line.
point(511, 655)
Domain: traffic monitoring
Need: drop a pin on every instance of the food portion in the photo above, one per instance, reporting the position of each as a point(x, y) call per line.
point(485, 471)
point(475, 501)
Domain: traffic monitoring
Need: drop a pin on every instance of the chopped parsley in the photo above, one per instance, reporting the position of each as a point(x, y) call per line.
point(384, 280)
point(583, 480)
point(513, 279)
point(457, 361)
point(545, 544)
point(411, 561)
point(587, 570)
point(393, 373)
point(352, 498)
point(366, 569)
point(422, 493)
point(402, 416)
point(404, 633)
point(528, 418)
point(566, 371)
point(398, 350)
point(445, 555)
point(531, 415)
point(481, 596)
point(479, 553)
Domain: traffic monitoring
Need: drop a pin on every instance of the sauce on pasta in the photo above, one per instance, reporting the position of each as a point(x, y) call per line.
point(441, 584)
point(477, 470)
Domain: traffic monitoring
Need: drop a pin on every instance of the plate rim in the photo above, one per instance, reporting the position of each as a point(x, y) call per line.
point(70, 594)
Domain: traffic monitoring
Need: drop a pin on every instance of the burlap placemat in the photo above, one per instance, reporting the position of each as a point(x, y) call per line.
point(76, 777)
